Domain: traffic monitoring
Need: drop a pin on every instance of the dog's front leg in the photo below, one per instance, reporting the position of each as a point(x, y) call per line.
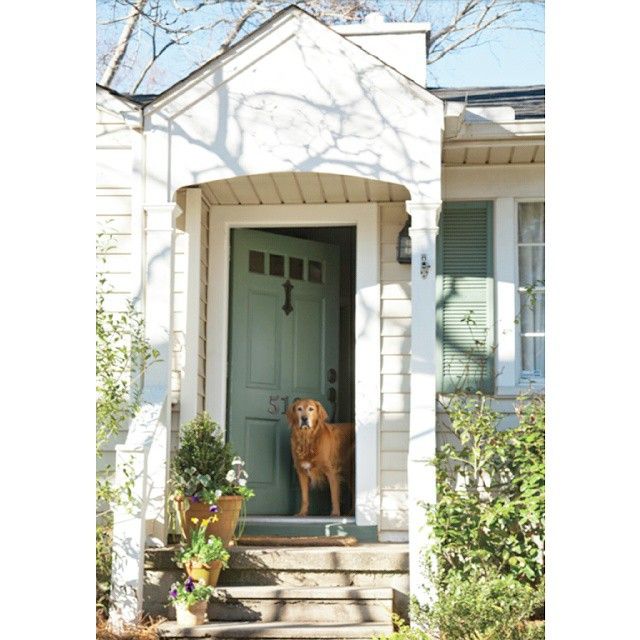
point(334, 487)
point(304, 480)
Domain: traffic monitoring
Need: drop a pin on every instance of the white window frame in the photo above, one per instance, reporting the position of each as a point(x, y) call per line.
point(508, 359)
point(536, 383)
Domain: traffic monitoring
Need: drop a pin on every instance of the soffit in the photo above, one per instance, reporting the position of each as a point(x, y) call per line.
point(300, 188)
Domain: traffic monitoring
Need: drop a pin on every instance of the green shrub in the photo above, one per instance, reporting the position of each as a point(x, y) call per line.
point(487, 529)
point(490, 508)
point(122, 356)
point(202, 462)
point(482, 605)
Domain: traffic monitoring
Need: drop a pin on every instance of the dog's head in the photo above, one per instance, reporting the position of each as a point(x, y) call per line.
point(306, 413)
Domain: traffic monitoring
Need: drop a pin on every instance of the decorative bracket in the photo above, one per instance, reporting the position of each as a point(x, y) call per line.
point(287, 307)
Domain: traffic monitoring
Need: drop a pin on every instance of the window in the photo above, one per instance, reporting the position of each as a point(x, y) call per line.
point(531, 285)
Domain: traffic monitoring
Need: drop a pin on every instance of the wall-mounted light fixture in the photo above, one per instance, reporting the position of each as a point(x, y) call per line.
point(403, 249)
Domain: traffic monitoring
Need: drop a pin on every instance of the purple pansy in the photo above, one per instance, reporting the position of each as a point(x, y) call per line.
point(173, 593)
point(193, 499)
point(214, 508)
point(189, 585)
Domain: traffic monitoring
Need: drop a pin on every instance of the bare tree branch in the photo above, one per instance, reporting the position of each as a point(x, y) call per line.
point(123, 43)
point(160, 26)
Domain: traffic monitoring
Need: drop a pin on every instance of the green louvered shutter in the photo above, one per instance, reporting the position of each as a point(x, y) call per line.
point(464, 312)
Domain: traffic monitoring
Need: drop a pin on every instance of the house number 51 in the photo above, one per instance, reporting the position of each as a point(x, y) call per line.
point(273, 405)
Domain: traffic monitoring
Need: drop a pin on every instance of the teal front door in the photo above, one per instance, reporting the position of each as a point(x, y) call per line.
point(284, 327)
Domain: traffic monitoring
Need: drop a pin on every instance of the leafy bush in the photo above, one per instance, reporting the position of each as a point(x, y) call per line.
point(490, 508)
point(486, 606)
point(122, 356)
point(483, 605)
point(487, 529)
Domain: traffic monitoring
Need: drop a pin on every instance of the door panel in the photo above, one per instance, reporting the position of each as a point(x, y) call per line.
point(284, 326)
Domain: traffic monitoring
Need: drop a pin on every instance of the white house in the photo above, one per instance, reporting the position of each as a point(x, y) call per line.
point(303, 155)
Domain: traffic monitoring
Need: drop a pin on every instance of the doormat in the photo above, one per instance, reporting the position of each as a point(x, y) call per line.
point(297, 541)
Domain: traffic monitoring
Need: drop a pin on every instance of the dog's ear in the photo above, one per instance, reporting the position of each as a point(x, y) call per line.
point(322, 413)
point(290, 413)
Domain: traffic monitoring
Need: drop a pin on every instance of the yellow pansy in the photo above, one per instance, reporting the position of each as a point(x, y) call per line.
point(194, 520)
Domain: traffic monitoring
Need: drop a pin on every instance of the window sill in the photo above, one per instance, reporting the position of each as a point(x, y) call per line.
point(522, 388)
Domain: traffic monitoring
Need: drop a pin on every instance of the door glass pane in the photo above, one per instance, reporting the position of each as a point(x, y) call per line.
point(296, 268)
point(276, 265)
point(256, 261)
point(315, 271)
point(531, 222)
point(531, 266)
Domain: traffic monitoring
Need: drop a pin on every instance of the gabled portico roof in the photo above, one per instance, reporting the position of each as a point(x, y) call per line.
point(150, 101)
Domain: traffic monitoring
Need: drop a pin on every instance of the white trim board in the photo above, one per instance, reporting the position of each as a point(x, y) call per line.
point(365, 217)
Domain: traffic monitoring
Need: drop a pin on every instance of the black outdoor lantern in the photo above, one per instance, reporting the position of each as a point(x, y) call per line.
point(403, 250)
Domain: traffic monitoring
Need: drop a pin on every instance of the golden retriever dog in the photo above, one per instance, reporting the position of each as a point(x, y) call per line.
point(321, 451)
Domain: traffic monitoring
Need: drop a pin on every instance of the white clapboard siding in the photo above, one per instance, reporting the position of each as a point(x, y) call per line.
point(179, 316)
point(113, 213)
point(395, 295)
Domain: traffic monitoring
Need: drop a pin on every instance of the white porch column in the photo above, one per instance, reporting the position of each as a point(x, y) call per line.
point(159, 275)
point(193, 228)
point(422, 422)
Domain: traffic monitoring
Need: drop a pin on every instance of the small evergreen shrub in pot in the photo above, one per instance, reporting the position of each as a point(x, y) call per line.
point(207, 478)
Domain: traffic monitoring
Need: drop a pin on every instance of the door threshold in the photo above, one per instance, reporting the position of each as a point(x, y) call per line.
point(301, 521)
point(309, 526)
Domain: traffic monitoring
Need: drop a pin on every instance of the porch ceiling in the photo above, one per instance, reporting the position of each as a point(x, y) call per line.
point(301, 188)
point(493, 152)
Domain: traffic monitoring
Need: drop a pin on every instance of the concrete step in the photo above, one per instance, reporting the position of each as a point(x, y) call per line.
point(366, 566)
point(276, 631)
point(302, 604)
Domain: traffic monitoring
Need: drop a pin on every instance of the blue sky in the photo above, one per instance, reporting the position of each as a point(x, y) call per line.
point(510, 57)
point(500, 57)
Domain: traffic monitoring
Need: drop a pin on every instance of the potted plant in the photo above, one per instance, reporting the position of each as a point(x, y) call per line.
point(203, 557)
point(206, 478)
point(190, 600)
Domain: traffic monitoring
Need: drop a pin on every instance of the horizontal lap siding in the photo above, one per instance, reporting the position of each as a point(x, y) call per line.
point(114, 159)
point(395, 305)
point(179, 315)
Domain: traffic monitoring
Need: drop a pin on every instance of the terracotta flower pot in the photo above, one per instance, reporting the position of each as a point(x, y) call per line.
point(207, 572)
point(191, 616)
point(228, 515)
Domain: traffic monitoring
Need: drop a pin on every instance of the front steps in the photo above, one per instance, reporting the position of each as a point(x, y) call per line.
point(292, 592)
point(302, 604)
point(277, 631)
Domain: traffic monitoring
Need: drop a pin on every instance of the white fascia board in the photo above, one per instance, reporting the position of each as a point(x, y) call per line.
point(490, 114)
point(129, 111)
point(364, 29)
point(498, 130)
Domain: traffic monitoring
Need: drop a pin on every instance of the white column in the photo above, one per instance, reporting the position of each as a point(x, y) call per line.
point(127, 571)
point(193, 228)
point(422, 422)
point(505, 270)
point(159, 276)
